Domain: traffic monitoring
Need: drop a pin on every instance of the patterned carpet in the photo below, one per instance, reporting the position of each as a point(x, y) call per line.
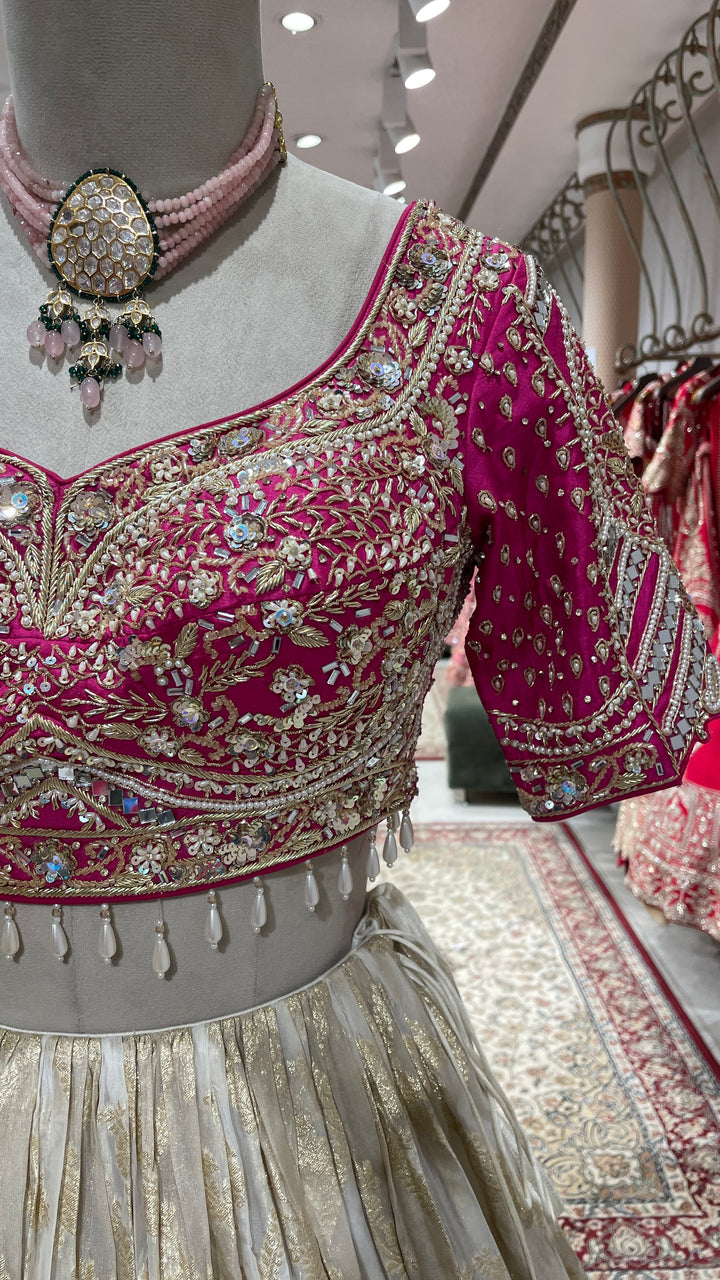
point(613, 1085)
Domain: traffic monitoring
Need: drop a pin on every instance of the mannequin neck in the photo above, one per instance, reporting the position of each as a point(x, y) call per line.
point(165, 96)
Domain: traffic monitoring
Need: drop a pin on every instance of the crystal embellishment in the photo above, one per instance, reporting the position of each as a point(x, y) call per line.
point(105, 198)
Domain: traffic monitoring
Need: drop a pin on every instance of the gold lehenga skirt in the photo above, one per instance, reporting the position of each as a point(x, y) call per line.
point(350, 1130)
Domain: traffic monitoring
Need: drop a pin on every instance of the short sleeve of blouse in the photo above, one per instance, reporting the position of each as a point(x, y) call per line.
point(584, 646)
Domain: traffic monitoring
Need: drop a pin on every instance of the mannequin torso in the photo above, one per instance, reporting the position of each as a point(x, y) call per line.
point(265, 302)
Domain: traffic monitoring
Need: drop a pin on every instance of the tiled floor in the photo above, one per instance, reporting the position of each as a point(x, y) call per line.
point(688, 960)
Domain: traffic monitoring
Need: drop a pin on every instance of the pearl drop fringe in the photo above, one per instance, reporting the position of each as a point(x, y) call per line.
point(108, 945)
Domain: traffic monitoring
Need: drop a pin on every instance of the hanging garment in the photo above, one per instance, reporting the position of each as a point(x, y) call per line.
point(641, 423)
point(670, 840)
point(458, 671)
point(666, 476)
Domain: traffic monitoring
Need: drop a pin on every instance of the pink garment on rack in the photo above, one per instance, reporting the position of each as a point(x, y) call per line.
point(671, 839)
point(458, 672)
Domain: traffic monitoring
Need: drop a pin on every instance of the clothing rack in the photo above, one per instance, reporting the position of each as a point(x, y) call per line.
point(679, 356)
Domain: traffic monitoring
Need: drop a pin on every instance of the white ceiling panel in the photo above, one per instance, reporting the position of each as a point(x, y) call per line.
point(329, 82)
point(604, 53)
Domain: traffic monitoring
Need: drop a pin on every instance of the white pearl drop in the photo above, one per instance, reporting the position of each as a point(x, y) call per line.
point(59, 942)
point(345, 880)
point(373, 863)
point(390, 852)
point(407, 835)
point(312, 893)
point(9, 938)
point(213, 926)
point(258, 916)
point(107, 943)
point(161, 955)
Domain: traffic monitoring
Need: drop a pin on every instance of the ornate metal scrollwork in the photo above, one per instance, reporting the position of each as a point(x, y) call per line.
point(551, 239)
point(661, 109)
point(668, 102)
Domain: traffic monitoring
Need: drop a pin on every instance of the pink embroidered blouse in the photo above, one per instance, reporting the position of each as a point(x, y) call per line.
point(214, 649)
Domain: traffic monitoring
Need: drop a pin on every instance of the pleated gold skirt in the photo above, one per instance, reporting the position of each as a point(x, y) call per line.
point(351, 1130)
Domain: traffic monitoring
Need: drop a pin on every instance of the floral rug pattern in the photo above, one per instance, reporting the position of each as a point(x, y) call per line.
point(620, 1101)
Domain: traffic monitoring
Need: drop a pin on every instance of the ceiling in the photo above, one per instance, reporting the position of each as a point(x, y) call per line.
point(329, 82)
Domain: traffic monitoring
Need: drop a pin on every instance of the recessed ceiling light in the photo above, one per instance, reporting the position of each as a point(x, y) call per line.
point(297, 22)
point(308, 140)
point(395, 187)
point(425, 10)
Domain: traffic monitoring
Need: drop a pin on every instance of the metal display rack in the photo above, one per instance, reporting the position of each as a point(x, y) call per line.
point(663, 112)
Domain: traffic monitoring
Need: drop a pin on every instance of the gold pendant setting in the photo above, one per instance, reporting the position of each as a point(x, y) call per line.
point(103, 242)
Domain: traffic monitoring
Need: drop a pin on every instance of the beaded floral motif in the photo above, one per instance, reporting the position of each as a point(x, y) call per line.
point(224, 638)
point(215, 648)
point(618, 680)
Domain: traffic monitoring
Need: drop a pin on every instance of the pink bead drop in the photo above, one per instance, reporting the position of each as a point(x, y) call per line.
point(134, 354)
point(152, 344)
point(54, 343)
point(36, 333)
point(70, 330)
point(118, 337)
point(90, 393)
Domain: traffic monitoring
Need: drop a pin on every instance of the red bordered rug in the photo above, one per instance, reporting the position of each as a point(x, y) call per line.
point(614, 1086)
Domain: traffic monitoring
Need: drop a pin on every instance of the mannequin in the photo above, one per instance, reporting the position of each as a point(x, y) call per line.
point(353, 1127)
point(305, 244)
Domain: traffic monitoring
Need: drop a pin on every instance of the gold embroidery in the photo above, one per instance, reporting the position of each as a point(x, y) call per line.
point(670, 659)
point(166, 777)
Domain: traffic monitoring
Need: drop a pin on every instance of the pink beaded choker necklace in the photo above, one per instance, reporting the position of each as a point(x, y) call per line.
point(105, 241)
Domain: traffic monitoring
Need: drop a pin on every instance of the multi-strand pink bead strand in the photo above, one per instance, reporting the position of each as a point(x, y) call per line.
point(183, 222)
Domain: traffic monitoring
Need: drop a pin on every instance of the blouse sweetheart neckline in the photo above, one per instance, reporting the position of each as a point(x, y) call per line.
point(343, 352)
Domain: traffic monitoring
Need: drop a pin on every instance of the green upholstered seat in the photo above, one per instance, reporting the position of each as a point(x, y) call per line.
point(475, 761)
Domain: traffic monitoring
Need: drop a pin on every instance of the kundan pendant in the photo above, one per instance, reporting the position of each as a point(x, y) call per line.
point(102, 244)
point(105, 241)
